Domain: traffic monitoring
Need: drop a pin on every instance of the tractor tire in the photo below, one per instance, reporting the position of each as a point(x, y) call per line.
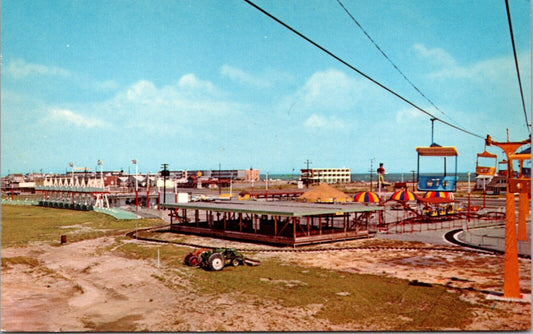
point(235, 262)
point(187, 259)
point(216, 261)
point(193, 261)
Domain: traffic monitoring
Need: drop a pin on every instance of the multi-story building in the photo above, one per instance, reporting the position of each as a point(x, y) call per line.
point(233, 174)
point(327, 175)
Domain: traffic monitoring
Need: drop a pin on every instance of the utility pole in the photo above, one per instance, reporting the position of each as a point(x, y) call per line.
point(165, 173)
point(307, 173)
point(371, 170)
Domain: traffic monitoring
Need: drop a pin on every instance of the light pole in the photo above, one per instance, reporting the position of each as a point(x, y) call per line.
point(165, 173)
point(134, 161)
point(101, 172)
point(72, 166)
point(308, 173)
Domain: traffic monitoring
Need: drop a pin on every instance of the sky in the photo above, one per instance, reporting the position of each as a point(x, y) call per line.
point(209, 84)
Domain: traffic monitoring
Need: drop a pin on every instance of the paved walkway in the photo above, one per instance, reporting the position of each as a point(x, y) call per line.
point(117, 213)
point(492, 237)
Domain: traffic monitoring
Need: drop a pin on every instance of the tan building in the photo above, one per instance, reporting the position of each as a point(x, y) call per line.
point(252, 175)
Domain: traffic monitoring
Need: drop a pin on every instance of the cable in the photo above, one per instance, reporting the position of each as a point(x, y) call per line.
point(358, 71)
point(388, 58)
point(516, 63)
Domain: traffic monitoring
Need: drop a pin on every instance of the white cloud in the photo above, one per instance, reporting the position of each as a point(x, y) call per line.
point(321, 122)
point(410, 116)
point(495, 70)
point(188, 107)
point(437, 55)
point(191, 82)
point(330, 90)
point(243, 77)
point(141, 91)
point(19, 69)
point(69, 117)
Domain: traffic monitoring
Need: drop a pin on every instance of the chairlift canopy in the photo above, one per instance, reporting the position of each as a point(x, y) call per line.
point(437, 151)
point(486, 154)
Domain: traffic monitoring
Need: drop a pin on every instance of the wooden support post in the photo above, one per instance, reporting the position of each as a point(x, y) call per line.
point(225, 220)
point(345, 219)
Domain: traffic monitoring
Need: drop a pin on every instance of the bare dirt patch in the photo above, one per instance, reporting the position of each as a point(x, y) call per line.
point(90, 286)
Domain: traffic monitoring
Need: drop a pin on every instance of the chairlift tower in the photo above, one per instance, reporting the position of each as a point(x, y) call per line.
point(521, 185)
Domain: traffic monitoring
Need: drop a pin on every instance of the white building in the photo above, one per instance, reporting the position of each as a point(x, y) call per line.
point(327, 175)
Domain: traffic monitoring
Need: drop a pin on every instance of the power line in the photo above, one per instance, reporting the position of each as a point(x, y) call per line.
point(516, 63)
point(389, 60)
point(358, 71)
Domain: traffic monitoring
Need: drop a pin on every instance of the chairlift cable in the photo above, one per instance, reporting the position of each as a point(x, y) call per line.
point(390, 60)
point(516, 63)
point(358, 71)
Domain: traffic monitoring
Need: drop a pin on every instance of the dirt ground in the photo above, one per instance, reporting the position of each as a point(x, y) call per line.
point(86, 286)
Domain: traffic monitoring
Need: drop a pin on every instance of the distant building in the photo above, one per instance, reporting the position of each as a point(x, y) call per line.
point(233, 174)
point(252, 175)
point(327, 175)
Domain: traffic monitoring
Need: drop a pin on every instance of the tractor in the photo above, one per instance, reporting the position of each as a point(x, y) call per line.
point(216, 259)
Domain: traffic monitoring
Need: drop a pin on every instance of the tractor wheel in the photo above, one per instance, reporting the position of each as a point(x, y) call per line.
point(216, 262)
point(235, 262)
point(188, 259)
point(193, 261)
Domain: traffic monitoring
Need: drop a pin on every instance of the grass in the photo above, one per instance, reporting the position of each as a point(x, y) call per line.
point(8, 262)
point(24, 224)
point(366, 300)
point(346, 297)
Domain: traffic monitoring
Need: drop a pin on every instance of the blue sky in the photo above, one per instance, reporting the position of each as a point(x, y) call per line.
point(196, 84)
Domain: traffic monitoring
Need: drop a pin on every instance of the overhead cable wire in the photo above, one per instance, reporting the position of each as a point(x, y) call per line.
point(358, 71)
point(516, 63)
point(388, 58)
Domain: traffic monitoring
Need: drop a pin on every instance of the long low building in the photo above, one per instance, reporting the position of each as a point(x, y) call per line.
point(282, 223)
point(327, 175)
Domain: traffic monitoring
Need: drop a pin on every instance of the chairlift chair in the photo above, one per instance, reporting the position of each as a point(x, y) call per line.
point(482, 167)
point(433, 182)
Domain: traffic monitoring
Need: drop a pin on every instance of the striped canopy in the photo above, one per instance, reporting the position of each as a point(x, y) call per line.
point(438, 194)
point(366, 197)
point(404, 196)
